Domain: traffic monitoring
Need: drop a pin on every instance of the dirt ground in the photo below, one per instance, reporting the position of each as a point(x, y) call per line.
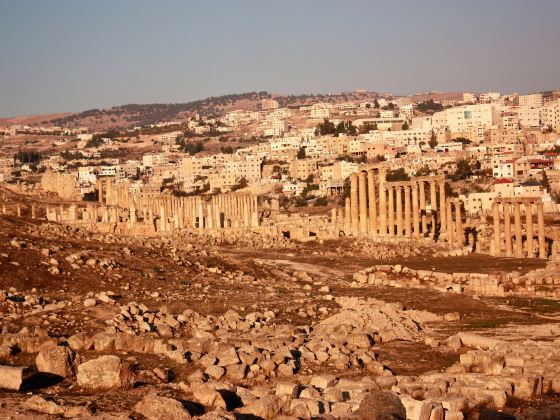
point(182, 280)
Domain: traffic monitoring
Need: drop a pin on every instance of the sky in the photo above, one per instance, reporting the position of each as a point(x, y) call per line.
point(72, 55)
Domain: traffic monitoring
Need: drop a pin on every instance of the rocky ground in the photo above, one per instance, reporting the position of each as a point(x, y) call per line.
point(190, 326)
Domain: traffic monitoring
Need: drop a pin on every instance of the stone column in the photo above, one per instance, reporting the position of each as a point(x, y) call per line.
point(18, 210)
point(132, 216)
point(433, 196)
point(162, 219)
point(529, 229)
point(423, 212)
point(246, 206)
point(372, 204)
point(507, 229)
point(340, 220)
point(333, 216)
point(391, 210)
point(415, 211)
point(442, 212)
point(382, 206)
point(100, 190)
point(200, 215)
point(518, 230)
point(497, 233)
point(151, 217)
point(354, 211)
point(449, 218)
point(363, 202)
point(347, 216)
point(407, 220)
point(217, 214)
point(459, 235)
point(540, 222)
point(399, 211)
point(209, 216)
point(33, 215)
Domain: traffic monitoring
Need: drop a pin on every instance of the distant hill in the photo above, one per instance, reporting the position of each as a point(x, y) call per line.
point(131, 115)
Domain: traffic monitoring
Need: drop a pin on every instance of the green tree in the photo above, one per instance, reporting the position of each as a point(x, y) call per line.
point(241, 183)
point(301, 153)
point(405, 126)
point(423, 171)
point(376, 103)
point(345, 192)
point(397, 175)
point(321, 201)
point(325, 128)
point(367, 127)
point(429, 106)
point(463, 140)
point(433, 140)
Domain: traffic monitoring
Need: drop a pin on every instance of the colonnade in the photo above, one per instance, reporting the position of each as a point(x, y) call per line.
point(220, 212)
point(379, 208)
point(513, 244)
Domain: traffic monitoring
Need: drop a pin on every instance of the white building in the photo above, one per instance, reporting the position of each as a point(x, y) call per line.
point(320, 110)
point(269, 104)
point(469, 97)
point(465, 117)
point(534, 100)
point(276, 128)
point(550, 115)
point(86, 175)
point(150, 160)
point(529, 117)
point(454, 146)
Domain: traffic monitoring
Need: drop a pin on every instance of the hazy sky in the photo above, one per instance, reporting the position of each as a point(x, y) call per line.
point(71, 55)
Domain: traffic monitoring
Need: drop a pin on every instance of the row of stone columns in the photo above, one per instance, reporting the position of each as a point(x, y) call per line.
point(115, 194)
point(455, 230)
point(166, 213)
point(375, 206)
point(222, 211)
point(514, 242)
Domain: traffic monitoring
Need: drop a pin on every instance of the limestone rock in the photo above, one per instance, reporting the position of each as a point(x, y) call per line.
point(267, 407)
point(41, 405)
point(11, 377)
point(379, 405)
point(56, 360)
point(105, 372)
point(154, 407)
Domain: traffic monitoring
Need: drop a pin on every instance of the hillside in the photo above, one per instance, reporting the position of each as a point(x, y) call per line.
point(131, 115)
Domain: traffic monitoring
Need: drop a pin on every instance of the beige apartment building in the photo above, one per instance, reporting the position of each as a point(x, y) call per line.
point(302, 168)
point(529, 117)
point(550, 115)
point(269, 104)
point(534, 100)
point(469, 97)
point(229, 175)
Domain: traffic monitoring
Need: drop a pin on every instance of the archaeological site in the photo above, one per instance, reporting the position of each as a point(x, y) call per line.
point(397, 303)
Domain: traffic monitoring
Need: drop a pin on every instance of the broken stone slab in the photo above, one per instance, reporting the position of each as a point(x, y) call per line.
point(11, 377)
point(267, 407)
point(479, 341)
point(105, 372)
point(41, 405)
point(208, 396)
point(56, 360)
point(380, 404)
point(154, 407)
